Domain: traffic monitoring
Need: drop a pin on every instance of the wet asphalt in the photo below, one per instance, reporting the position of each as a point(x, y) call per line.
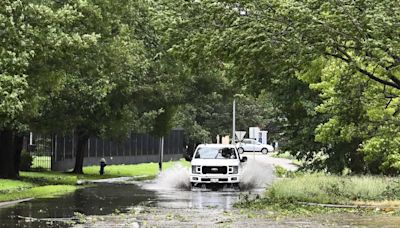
point(122, 195)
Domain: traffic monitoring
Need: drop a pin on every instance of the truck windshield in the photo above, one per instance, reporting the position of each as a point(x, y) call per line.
point(215, 153)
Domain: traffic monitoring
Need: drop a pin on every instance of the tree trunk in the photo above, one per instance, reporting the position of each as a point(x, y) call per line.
point(81, 148)
point(18, 144)
point(356, 161)
point(8, 157)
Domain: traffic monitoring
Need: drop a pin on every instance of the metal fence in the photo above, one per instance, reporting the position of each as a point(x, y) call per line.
point(40, 148)
point(51, 152)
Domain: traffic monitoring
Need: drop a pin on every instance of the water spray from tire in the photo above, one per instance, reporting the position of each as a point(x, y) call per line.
point(254, 175)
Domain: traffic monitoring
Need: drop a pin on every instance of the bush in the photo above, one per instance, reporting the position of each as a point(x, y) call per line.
point(280, 171)
point(26, 161)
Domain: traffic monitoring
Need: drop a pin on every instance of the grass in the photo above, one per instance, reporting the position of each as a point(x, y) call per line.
point(43, 162)
point(145, 169)
point(288, 195)
point(50, 178)
point(322, 188)
point(39, 192)
point(13, 185)
point(50, 183)
point(37, 185)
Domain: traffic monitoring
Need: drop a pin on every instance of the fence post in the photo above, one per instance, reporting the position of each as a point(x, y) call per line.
point(54, 151)
point(64, 147)
point(161, 152)
point(88, 148)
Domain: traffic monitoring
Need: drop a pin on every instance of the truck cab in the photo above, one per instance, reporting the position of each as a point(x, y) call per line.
point(216, 164)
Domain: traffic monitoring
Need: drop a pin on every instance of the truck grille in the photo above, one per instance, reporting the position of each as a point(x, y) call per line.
point(214, 169)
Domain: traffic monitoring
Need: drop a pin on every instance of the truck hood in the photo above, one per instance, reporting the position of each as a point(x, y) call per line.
point(216, 162)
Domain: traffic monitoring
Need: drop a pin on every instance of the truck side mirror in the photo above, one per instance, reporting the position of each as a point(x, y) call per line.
point(188, 157)
point(244, 159)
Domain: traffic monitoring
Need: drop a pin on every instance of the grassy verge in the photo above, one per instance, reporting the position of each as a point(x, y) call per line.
point(38, 192)
point(41, 162)
point(148, 170)
point(37, 185)
point(48, 183)
point(13, 185)
point(295, 193)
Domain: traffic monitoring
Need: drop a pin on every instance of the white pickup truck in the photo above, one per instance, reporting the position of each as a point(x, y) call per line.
point(216, 164)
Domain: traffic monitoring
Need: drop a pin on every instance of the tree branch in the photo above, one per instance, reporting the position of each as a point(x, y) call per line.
point(395, 83)
point(347, 58)
point(337, 56)
point(375, 78)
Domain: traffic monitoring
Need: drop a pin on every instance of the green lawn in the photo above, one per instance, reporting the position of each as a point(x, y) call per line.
point(13, 185)
point(49, 183)
point(149, 170)
point(50, 178)
point(43, 162)
point(38, 192)
point(291, 196)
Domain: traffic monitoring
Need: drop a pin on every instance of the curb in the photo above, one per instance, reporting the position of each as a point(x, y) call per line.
point(11, 203)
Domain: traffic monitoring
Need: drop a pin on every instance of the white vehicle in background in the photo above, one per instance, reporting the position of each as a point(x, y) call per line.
point(251, 145)
point(216, 164)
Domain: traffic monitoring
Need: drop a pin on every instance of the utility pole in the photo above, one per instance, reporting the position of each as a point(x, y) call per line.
point(233, 121)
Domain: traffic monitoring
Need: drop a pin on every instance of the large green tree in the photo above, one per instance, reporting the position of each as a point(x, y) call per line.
point(31, 35)
point(102, 79)
point(272, 44)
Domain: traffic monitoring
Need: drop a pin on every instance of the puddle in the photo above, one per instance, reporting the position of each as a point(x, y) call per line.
point(102, 199)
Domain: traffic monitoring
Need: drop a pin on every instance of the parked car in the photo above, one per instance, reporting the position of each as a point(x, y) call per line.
point(253, 145)
point(216, 164)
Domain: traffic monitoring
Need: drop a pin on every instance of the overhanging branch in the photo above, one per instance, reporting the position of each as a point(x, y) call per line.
point(348, 59)
point(375, 78)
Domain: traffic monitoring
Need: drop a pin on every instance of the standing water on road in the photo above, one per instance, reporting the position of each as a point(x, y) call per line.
point(173, 189)
point(102, 199)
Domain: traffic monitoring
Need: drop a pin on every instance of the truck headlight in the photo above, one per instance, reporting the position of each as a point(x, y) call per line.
point(233, 169)
point(196, 169)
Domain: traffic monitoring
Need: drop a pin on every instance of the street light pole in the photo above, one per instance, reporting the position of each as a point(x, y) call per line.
point(233, 121)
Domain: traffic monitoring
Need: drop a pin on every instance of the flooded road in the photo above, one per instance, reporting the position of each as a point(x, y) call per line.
point(102, 199)
point(168, 201)
point(109, 198)
point(170, 190)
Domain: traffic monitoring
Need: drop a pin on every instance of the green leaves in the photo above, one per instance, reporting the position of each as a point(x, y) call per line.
point(12, 98)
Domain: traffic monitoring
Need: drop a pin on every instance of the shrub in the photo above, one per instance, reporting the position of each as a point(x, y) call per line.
point(280, 171)
point(26, 161)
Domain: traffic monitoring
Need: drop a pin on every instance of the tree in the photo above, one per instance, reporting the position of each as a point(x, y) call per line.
point(100, 76)
point(31, 34)
point(275, 45)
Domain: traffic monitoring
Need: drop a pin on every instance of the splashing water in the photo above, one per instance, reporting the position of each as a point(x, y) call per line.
point(256, 175)
point(176, 177)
